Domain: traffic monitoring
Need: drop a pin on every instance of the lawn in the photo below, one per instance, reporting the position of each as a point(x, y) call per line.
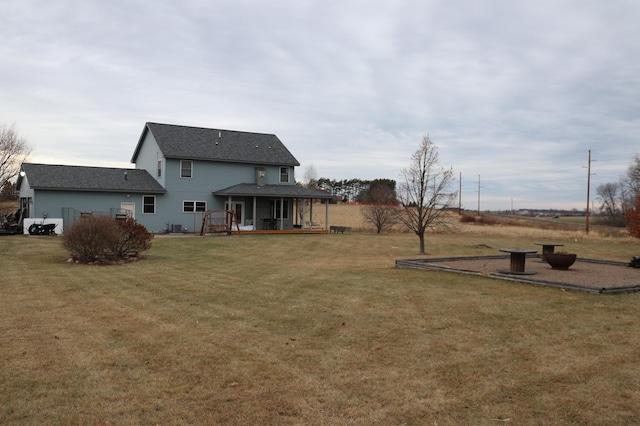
point(311, 329)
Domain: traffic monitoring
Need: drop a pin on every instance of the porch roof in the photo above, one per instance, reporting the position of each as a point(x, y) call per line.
point(284, 191)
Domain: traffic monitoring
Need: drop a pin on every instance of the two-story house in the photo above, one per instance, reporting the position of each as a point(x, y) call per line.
point(180, 173)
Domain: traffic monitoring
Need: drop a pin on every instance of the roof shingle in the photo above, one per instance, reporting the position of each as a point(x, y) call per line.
point(198, 143)
point(81, 178)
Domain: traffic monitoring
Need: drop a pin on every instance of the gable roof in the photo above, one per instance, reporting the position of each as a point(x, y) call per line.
point(80, 178)
point(285, 191)
point(198, 143)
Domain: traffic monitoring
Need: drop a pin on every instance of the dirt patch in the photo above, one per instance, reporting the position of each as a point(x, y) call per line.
point(591, 275)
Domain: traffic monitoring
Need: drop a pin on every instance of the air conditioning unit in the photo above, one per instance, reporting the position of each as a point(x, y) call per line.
point(176, 229)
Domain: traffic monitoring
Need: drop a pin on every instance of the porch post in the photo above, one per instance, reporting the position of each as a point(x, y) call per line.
point(255, 210)
point(326, 215)
point(303, 211)
point(281, 213)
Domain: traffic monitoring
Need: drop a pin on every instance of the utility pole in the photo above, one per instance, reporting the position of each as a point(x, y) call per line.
point(460, 196)
point(588, 190)
point(478, 195)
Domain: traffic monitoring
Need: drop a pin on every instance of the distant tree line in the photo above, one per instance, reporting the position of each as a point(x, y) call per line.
point(8, 192)
point(359, 190)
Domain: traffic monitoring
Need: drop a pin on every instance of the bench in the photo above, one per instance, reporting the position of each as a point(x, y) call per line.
point(340, 229)
point(217, 228)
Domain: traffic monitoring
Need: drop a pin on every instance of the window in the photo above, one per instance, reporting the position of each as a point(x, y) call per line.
point(186, 168)
point(194, 206)
point(149, 204)
point(159, 168)
point(284, 175)
point(275, 209)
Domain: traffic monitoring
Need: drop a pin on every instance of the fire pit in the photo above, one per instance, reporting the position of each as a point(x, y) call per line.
point(560, 260)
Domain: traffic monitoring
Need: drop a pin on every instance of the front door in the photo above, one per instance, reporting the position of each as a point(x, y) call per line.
point(238, 208)
point(130, 208)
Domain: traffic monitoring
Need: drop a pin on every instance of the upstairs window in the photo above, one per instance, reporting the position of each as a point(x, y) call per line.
point(186, 169)
point(284, 175)
point(159, 168)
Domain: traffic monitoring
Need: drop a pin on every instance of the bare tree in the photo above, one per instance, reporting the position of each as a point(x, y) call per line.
point(309, 180)
point(612, 207)
point(632, 178)
point(13, 152)
point(631, 184)
point(381, 212)
point(310, 177)
point(618, 198)
point(425, 191)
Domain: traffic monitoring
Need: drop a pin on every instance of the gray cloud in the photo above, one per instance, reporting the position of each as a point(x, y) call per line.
point(514, 92)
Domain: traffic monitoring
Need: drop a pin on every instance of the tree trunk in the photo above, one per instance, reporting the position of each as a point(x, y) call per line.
point(421, 236)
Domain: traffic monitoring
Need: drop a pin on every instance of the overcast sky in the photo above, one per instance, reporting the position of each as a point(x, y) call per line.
point(513, 93)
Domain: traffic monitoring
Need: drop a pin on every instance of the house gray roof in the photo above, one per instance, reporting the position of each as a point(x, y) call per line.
point(285, 191)
point(80, 178)
point(197, 143)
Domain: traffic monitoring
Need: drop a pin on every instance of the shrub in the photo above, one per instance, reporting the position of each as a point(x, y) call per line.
point(633, 218)
point(478, 220)
point(100, 238)
point(487, 220)
point(134, 238)
point(467, 218)
point(91, 238)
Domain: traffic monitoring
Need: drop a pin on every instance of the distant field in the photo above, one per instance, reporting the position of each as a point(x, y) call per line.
point(343, 215)
point(350, 215)
point(574, 219)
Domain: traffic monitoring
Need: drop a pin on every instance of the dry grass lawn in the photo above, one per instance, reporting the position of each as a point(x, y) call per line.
point(311, 329)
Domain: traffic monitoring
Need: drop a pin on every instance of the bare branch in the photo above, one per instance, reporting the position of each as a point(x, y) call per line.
point(381, 210)
point(13, 152)
point(424, 191)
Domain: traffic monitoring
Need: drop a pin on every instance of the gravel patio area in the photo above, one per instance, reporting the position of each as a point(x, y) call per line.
point(590, 275)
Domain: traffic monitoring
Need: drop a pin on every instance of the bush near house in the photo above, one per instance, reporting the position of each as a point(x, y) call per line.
point(103, 239)
point(134, 239)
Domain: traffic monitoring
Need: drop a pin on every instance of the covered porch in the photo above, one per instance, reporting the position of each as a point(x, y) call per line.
point(272, 209)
